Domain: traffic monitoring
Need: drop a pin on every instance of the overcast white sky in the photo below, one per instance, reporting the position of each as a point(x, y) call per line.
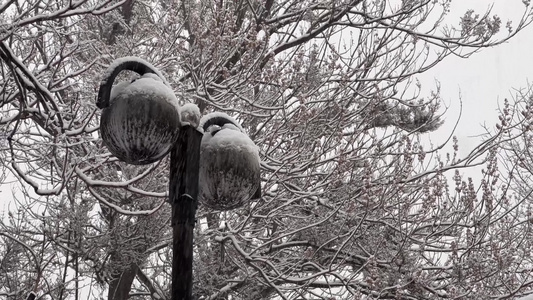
point(485, 79)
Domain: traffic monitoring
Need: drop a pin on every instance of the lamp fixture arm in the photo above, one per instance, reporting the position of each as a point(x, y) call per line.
point(131, 63)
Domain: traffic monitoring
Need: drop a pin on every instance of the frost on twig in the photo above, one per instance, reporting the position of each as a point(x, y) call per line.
point(420, 118)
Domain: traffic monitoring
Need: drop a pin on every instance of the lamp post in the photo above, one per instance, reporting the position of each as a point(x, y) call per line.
point(140, 123)
point(184, 167)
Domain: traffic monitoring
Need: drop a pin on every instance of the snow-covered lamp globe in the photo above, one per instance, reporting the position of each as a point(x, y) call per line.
point(140, 120)
point(229, 164)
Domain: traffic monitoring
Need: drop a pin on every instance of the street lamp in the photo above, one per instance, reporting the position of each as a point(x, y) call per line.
point(229, 168)
point(141, 122)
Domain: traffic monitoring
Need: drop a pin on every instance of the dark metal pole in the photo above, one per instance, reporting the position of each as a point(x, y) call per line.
point(184, 169)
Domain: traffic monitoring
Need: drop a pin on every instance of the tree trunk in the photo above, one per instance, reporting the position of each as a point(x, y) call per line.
point(120, 286)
